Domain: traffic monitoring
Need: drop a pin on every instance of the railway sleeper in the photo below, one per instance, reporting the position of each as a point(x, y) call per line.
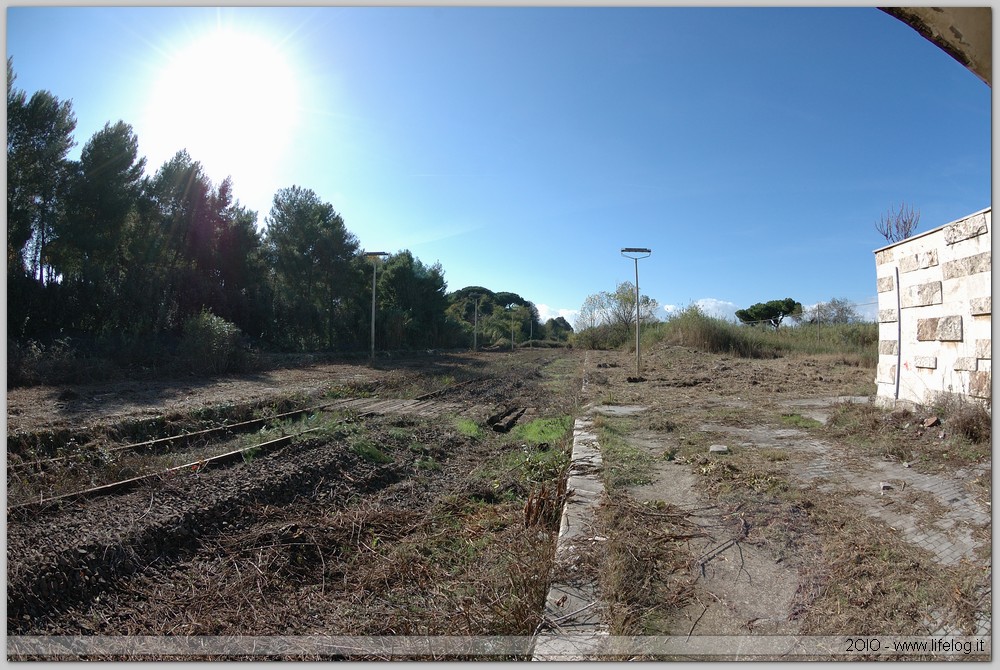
point(502, 422)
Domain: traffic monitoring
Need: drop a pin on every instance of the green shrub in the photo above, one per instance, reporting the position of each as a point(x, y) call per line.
point(58, 362)
point(212, 344)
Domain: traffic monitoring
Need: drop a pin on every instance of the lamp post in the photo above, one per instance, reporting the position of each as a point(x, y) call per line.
point(475, 326)
point(375, 256)
point(512, 328)
point(645, 253)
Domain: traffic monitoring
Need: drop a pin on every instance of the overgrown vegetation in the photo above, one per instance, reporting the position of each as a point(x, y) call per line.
point(953, 432)
point(607, 320)
point(856, 341)
point(693, 328)
point(212, 344)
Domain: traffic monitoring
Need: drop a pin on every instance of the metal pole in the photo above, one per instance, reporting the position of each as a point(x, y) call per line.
point(636, 317)
point(374, 271)
point(646, 253)
point(374, 255)
point(475, 328)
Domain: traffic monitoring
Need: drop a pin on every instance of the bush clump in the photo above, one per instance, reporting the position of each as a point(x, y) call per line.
point(212, 344)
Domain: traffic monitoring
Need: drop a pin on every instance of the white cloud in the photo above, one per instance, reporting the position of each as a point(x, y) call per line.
point(719, 309)
point(667, 311)
point(545, 313)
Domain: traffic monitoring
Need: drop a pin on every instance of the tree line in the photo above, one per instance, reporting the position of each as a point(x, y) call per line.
point(100, 251)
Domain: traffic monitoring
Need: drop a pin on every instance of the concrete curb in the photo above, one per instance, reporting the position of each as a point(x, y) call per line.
point(572, 619)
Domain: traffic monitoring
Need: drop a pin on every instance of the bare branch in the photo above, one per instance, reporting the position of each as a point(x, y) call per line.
point(896, 226)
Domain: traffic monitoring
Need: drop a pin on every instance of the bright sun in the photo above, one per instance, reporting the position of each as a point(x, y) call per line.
point(231, 99)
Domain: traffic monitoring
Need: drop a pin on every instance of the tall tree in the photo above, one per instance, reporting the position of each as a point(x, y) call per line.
point(181, 195)
point(311, 253)
point(240, 265)
point(104, 189)
point(771, 313)
point(39, 137)
point(412, 299)
point(606, 319)
point(558, 328)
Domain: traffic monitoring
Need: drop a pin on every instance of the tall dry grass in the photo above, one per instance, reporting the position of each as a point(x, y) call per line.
point(693, 328)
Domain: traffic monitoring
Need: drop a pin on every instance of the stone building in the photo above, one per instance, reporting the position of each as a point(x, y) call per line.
point(934, 313)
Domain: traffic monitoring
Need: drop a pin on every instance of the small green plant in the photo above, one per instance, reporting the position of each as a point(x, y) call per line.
point(773, 455)
point(799, 421)
point(427, 463)
point(399, 434)
point(544, 431)
point(624, 464)
point(367, 450)
point(468, 427)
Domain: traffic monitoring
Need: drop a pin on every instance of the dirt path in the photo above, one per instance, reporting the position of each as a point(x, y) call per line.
point(760, 564)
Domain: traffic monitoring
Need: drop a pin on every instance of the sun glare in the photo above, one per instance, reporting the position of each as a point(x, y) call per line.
point(230, 98)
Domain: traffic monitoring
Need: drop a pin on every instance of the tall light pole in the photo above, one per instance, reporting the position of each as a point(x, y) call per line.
point(645, 253)
point(512, 328)
point(375, 256)
point(475, 327)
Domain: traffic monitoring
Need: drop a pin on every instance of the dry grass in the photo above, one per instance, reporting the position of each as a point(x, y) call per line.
point(874, 582)
point(646, 566)
point(961, 435)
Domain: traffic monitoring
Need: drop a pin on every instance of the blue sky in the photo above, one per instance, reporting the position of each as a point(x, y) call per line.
point(752, 149)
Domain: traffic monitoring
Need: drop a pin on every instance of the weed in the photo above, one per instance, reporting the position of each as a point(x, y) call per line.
point(799, 421)
point(624, 464)
point(468, 427)
point(970, 420)
point(773, 455)
point(856, 343)
point(644, 571)
point(399, 434)
point(532, 465)
point(544, 431)
point(427, 463)
point(210, 343)
point(366, 449)
point(875, 575)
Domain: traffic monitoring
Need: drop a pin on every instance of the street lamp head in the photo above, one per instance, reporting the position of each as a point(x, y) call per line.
point(636, 250)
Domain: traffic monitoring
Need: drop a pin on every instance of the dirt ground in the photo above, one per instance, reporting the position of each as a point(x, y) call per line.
point(797, 529)
point(794, 529)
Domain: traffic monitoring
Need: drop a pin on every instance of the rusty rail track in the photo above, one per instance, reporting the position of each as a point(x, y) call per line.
point(227, 458)
point(172, 440)
point(131, 483)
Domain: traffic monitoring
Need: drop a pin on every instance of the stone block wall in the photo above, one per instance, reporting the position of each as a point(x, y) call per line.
point(935, 314)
